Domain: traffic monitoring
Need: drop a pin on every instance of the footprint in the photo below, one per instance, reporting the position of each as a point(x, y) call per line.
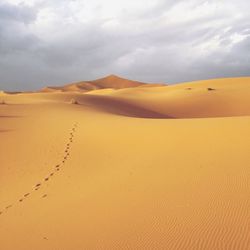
point(57, 168)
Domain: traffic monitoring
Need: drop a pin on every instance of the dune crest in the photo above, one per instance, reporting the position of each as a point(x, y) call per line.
point(111, 81)
point(116, 82)
point(203, 99)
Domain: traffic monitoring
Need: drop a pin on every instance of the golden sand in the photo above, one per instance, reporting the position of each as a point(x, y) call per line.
point(164, 167)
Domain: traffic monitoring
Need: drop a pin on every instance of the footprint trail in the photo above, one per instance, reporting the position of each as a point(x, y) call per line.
point(39, 184)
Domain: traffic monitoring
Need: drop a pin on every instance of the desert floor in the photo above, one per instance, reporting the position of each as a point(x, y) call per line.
point(135, 168)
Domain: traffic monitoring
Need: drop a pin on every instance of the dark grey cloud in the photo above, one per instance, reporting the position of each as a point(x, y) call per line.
point(54, 42)
point(16, 13)
point(13, 32)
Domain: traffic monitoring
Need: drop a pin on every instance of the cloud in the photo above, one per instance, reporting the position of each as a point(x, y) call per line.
point(16, 13)
point(46, 42)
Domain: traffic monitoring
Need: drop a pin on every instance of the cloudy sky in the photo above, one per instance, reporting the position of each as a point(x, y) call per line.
point(52, 42)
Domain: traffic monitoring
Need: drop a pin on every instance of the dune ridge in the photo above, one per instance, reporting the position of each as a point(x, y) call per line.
point(111, 81)
point(210, 98)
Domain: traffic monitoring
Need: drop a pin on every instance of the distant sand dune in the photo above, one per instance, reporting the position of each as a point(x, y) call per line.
point(111, 81)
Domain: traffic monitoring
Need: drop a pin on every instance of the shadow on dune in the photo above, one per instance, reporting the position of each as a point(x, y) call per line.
point(5, 130)
point(9, 116)
point(13, 92)
point(121, 107)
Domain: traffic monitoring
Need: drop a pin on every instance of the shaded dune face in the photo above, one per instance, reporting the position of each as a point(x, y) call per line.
point(121, 107)
point(203, 99)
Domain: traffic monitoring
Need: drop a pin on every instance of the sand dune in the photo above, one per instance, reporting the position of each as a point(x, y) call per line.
point(111, 81)
point(211, 98)
point(106, 174)
point(214, 98)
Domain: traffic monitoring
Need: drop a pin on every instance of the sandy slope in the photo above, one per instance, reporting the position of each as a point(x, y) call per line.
point(212, 98)
point(126, 181)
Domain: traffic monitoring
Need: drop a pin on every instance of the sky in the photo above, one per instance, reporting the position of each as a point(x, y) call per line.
point(53, 42)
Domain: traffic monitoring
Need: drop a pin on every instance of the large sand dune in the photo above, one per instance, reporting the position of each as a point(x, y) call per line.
point(111, 81)
point(127, 168)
